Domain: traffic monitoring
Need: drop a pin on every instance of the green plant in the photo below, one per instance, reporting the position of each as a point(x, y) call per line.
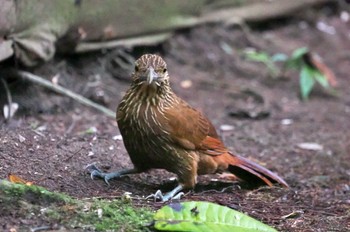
point(308, 74)
point(301, 60)
point(37, 204)
point(268, 60)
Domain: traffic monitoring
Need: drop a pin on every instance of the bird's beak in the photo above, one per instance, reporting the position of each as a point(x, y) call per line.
point(151, 75)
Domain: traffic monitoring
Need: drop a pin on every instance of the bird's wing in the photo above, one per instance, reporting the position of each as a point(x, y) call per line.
point(191, 130)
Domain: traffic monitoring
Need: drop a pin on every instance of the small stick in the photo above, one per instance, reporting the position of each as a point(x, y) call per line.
point(59, 89)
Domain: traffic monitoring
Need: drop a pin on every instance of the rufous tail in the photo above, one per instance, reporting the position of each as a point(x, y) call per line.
point(252, 173)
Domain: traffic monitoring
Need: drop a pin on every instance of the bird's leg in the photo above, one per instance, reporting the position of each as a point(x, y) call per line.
point(187, 180)
point(96, 172)
point(174, 194)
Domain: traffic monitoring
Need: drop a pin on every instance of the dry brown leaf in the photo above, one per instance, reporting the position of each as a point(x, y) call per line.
point(18, 180)
point(317, 62)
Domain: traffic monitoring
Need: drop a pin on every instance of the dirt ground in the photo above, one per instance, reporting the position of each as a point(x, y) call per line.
point(55, 138)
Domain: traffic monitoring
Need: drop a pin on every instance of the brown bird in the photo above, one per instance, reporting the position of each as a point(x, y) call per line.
point(162, 131)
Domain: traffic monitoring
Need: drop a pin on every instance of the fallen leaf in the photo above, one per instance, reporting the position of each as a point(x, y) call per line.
point(18, 180)
point(310, 146)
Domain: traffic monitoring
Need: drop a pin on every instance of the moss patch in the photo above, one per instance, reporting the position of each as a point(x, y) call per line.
point(40, 206)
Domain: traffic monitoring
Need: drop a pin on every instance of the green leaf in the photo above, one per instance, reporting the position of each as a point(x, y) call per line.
point(257, 56)
point(266, 59)
point(205, 216)
point(299, 53)
point(321, 79)
point(296, 59)
point(307, 81)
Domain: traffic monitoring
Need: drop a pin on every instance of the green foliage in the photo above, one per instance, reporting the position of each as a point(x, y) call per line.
point(306, 81)
point(205, 216)
point(24, 192)
point(267, 60)
point(115, 215)
point(295, 61)
point(308, 74)
point(37, 203)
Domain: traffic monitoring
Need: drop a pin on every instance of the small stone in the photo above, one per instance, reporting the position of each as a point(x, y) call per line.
point(118, 137)
point(286, 121)
point(186, 84)
point(21, 138)
point(310, 146)
point(344, 16)
point(226, 127)
point(322, 26)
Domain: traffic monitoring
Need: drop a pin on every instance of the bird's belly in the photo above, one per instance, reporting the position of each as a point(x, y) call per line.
point(151, 153)
point(154, 150)
point(148, 142)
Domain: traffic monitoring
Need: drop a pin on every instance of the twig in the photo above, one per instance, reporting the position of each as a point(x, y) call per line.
point(59, 89)
point(41, 228)
point(9, 99)
point(128, 42)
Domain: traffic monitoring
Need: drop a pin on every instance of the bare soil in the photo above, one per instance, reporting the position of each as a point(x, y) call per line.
point(53, 147)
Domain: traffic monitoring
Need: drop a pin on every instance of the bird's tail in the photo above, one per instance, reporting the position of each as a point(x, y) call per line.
point(252, 172)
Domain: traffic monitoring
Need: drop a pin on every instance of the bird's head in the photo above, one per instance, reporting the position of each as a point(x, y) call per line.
point(150, 71)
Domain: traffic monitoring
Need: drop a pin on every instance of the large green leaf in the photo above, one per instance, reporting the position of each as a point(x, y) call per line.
point(307, 81)
point(205, 216)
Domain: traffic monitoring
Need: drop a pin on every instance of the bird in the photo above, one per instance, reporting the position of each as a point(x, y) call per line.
point(162, 131)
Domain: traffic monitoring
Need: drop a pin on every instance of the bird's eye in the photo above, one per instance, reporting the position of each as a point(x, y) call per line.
point(136, 68)
point(164, 70)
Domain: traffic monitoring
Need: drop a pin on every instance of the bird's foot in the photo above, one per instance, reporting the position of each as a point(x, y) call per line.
point(96, 172)
point(163, 198)
point(175, 194)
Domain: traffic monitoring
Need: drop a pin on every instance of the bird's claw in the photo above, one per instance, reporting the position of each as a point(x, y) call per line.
point(96, 172)
point(178, 196)
point(158, 195)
